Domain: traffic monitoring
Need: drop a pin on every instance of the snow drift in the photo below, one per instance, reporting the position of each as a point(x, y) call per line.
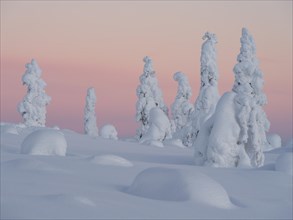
point(45, 142)
point(177, 185)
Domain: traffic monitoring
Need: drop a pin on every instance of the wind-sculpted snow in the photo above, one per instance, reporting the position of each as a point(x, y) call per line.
point(45, 142)
point(110, 160)
point(177, 185)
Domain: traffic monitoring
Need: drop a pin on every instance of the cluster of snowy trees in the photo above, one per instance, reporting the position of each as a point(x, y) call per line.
point(227, 131)
point(33, 106)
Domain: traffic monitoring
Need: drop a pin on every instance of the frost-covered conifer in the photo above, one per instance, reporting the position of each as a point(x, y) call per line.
point(182, 109)
point(236, 134)
point(159, 127)
point(33, 107)
point(90, 121)
point(149, 95)
point(208, 97)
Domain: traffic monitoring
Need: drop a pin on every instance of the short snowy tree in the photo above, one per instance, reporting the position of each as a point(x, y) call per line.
point(33, 107)
point(159, 127)
point(149, 95)
point(236, 134)
point(208, 97)
point(182, 109)
point(90, 121)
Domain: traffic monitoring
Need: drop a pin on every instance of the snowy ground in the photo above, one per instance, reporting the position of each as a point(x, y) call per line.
point(101, 178)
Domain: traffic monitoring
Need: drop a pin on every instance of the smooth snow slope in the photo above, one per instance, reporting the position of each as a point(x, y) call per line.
point(93, 181)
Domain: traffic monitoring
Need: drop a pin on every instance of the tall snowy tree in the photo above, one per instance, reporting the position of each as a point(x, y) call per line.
point(208, 97)
point(90, 121)
point(182, 109)
point(33, 107)
point(149, 95)
point(236, 134)
point(250, 100)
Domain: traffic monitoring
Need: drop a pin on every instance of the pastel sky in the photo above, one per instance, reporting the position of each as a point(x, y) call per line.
point(79, 44)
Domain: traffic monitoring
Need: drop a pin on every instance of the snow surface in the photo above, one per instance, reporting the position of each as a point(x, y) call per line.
point(44, 142)
point(284, 163)
point(76, 187)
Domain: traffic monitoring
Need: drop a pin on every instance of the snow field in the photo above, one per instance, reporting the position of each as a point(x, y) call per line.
point(93, 182)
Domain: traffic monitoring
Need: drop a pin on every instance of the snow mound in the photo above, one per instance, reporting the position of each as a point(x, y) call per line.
point(109, 132)
point(284, 163)
point(175, 185)
point(274, 141)
point(45, 142)
point(111, 160)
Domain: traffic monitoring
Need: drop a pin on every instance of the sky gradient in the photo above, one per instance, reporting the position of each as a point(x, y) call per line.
point(79, 44)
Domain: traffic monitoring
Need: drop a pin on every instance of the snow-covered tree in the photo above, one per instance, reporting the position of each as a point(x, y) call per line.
point(90, 120)
point(159, 127)
point(33, 106)
point(181, 109)
point(208, 97)
point(250, 100)
point(149, 95)
point(236, 134)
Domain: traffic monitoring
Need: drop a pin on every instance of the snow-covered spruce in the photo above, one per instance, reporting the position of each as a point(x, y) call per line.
point(208, 97)
point(159, 128)
point(181, 109)
point(236, 136)
point(149, 95)
point(90, 120)
point(33, 106)
point(109, 131)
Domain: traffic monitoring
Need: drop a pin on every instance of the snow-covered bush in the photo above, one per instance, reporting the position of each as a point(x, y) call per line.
point(33, 106)
point(149, 95)
point(159, 127)
point(284, 163)
point(90, 120)
point(236, 134)
point(109, 132)
point(44, 142)
point(274, 141)
point(208, 97)
point(181, 109)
